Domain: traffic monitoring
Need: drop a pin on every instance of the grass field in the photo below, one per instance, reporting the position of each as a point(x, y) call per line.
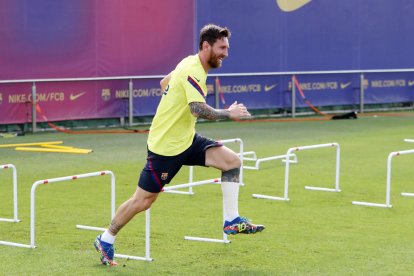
point(315, 233)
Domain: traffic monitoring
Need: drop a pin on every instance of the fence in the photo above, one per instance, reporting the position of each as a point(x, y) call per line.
point(111, 97)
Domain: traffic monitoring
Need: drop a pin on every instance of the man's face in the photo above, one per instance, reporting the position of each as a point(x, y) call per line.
point(218, 52)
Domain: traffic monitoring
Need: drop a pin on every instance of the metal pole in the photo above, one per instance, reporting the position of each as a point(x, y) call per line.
point(287, 165)
point(338, 160)
point(190, 176)
point(216, 93)
point(34, 128)
point(293, 97)
point(388, 187)
point(361, 95)
point(131, 103)
point(14, 192)
point(147, 235)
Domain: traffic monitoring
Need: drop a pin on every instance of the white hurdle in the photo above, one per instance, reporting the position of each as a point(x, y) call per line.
point(409, 140)
point(172, 189)
point(11, 166)
point(266, 159)
point(248, 153)
point(216, 181)
point(74, 177)
point(287, 166)
point(388, 185)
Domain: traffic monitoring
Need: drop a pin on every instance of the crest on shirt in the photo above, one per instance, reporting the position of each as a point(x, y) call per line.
point(164, 176)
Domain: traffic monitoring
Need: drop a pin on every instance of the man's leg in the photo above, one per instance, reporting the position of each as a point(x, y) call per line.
point(229, 163)
point(140, 201)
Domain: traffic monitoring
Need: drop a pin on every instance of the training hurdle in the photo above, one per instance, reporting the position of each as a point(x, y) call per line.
point(247, 153)
point(74, 177)
point(188, 185)
point(287, 166)
point(11, 166)
point(172, 189)
point(409, 140)
point(388, 185)
point(266, 159)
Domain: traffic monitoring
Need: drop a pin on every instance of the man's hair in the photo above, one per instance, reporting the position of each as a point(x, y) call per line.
point(211, 33)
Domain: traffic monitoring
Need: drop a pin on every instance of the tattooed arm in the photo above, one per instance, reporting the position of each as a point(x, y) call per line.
point(203, 110)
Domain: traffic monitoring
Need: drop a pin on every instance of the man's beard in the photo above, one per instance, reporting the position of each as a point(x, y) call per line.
point(214, 62)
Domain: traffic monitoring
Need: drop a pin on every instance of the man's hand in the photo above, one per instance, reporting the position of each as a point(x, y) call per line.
point(238, 110)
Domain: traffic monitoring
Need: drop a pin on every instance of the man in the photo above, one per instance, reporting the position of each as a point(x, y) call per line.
point(172, 141)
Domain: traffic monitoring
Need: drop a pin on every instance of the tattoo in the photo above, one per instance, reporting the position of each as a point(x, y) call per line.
point(115, 227)
point(203, 110)
point(231, 175)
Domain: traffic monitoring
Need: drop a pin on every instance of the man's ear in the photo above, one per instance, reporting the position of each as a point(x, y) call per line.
point(206, 46)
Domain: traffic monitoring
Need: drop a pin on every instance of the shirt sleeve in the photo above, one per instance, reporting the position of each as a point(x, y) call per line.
point(193, 89)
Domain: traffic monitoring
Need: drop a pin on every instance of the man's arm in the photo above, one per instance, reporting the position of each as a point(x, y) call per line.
point(203, 110)
point(164, 82)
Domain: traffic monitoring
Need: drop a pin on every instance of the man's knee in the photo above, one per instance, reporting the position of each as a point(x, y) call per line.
point(233, 162)
point(236, 163)
point(141, 203)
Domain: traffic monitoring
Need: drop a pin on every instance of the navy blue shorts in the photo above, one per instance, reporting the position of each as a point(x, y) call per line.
point(161, 169)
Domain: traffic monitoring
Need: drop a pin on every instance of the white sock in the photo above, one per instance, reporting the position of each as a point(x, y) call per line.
point(108, 237)
point(230, 192)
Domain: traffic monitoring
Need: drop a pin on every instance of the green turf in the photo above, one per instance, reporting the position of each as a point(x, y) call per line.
point(315, 233)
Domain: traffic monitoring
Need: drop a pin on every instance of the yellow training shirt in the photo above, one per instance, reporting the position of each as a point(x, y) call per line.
point(173, 127)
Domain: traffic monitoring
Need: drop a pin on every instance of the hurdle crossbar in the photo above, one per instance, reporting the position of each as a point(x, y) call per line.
point(287, 166)
point(388, 183)
point(15, 211)
point(173, 189)
point(187, 185)
point(409, 140)
point(276, 157)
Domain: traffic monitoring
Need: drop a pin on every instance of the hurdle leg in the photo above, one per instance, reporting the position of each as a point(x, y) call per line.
point(15, 211)
point(15, 219)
